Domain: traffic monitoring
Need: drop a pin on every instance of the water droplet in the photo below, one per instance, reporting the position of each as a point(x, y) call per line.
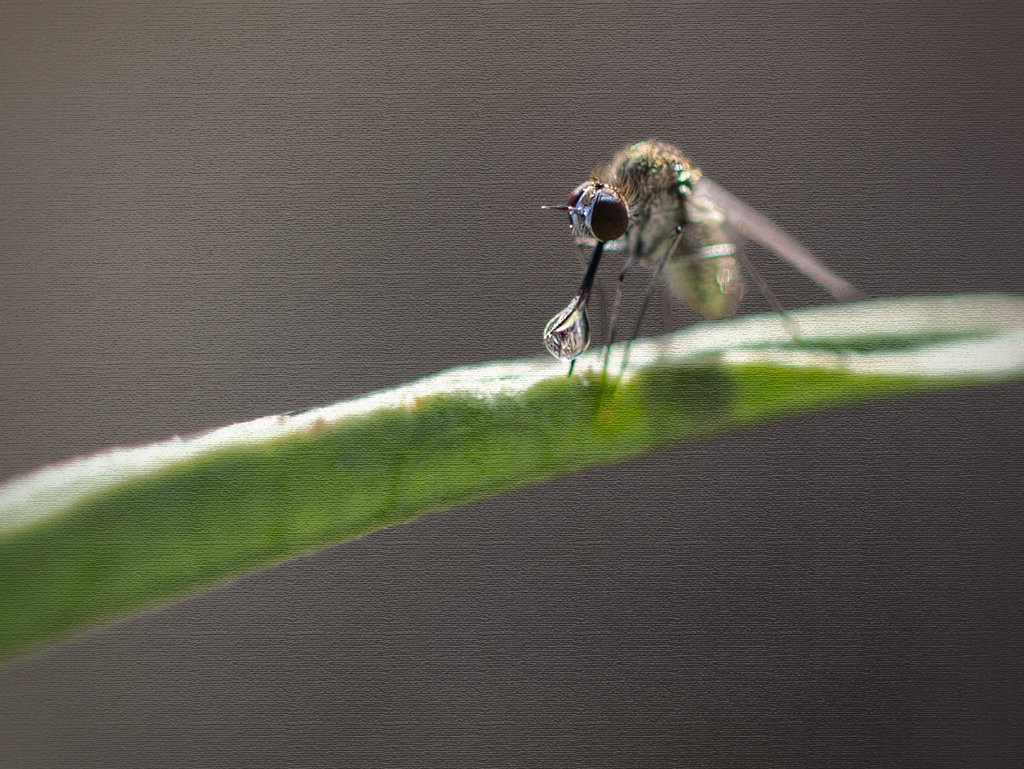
point(567, 334)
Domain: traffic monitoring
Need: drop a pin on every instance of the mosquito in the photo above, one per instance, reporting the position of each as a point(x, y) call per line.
point(653, 204)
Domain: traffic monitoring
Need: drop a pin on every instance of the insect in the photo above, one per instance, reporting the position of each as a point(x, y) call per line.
point(653, 204)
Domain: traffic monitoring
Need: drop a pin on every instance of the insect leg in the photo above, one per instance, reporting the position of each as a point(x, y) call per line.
point(666, 309)
point(634, 257)
point(769, 296)
point(613, 322)
point(647, 298)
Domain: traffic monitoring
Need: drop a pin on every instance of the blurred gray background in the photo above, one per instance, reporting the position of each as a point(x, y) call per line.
point(211, 211)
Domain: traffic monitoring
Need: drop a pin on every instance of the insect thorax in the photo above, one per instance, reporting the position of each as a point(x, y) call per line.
point(650, 175)
point(657, 182)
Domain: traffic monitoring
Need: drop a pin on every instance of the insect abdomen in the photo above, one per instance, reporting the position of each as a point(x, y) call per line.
point(712, 287)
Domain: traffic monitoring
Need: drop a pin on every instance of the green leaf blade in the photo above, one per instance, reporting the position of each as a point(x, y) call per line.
point(96, 538)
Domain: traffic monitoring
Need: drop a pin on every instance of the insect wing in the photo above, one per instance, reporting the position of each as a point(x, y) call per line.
point(760, 229)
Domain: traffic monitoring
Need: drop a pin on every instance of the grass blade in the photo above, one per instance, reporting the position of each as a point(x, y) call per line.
point(97, 537)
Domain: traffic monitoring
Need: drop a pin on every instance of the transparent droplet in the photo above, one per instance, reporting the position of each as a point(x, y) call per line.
point(567, 334)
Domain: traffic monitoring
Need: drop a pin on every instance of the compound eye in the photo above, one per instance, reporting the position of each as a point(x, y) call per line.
point(610, 216)
point(576, 194)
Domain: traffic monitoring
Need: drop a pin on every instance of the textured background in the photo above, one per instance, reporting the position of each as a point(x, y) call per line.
point(216, 210)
